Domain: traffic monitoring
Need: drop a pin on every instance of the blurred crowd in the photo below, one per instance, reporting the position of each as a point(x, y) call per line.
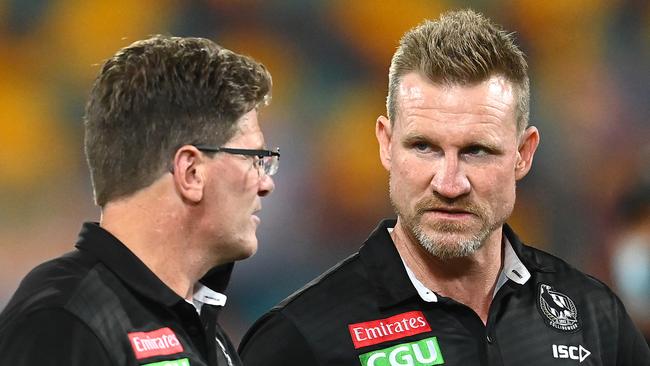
point(587, 199)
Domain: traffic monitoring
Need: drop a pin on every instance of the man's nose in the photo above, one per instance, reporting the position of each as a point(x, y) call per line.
point(267, 185)
point(449, 179)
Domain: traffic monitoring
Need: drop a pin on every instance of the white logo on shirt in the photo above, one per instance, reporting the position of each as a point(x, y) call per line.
point(558, 308)
point(564, 351)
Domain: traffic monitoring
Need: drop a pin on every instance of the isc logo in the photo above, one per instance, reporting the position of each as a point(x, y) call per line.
point(578, 353)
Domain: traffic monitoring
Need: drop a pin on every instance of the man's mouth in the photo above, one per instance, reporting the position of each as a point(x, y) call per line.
point(450, 213)
point(254, 216)
point(449, 210)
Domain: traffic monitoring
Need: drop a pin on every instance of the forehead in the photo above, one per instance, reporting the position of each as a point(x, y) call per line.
point(248, 129)
point(491, 100)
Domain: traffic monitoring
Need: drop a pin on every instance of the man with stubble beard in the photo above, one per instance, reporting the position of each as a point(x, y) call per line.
point(449, 282)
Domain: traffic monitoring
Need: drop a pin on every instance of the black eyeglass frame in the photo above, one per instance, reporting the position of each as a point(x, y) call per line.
point(246, 152)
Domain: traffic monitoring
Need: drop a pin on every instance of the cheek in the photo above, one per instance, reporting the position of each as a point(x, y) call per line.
point(235, 183)
point(224, 195)
point(403, 172)
point(409, 178)
point(495, 185)
point(250, 183)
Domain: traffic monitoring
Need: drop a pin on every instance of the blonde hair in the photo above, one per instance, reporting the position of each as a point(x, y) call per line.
point(461, 47)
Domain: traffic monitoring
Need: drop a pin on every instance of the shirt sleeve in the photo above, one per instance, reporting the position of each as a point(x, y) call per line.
point(632, 347)
point(51, 337)
point(274, 340)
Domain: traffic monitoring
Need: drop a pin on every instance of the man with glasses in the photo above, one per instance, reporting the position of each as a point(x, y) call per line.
point(178, 167)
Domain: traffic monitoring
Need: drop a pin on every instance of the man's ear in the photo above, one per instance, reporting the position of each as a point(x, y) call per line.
point(384, 133)
point(189, 173)
point(527, 146)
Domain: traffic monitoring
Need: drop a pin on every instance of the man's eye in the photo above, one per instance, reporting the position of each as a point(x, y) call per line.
point(421, 147)
point(476, 150)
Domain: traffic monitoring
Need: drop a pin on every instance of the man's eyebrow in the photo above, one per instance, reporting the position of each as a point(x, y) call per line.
point(415, 137)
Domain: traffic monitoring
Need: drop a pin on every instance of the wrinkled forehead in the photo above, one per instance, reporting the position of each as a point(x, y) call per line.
point(414, 88)
point(418, 92)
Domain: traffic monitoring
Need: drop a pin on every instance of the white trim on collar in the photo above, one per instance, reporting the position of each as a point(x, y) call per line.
point(513, 269)
point(512, 265)
point(204, 295)
point(426, 294)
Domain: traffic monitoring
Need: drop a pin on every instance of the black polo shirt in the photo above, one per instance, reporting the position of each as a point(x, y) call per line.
point(100, 305)
point(366, 311)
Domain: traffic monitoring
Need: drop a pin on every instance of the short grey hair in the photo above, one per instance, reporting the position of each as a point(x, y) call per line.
point(460, 48)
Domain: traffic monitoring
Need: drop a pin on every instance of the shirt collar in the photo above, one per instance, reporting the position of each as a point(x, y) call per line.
point(426, 294)
point(204, 295)
point(513, 269)
point(134, 273)
point(386, 271)
point(391, 279)
point(533, 259)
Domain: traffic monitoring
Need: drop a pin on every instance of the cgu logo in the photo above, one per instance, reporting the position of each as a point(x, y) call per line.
point(578, 353)
point(420, 353)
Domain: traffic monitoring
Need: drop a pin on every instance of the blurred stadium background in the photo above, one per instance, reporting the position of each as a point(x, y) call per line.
point(589, 63)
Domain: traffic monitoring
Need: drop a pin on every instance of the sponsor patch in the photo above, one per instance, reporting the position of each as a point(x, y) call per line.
point(179, 362)
point(382, 330)
point(564, 351)
point(159, 342)
point(424, 352)
point(558, 310)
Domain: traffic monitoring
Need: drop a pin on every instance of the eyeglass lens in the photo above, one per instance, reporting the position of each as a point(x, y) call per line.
point(268, 165)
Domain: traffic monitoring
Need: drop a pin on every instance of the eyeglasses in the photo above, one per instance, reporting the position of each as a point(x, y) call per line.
point(267, 161)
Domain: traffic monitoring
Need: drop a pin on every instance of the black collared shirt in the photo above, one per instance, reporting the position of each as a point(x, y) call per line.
point(100, 305)
point(366, 311)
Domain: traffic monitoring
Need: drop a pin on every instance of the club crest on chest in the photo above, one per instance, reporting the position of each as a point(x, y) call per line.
point(557, 309)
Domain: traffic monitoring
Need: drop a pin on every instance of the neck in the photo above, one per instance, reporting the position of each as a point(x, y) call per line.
point(469, 280)
point(154, 228)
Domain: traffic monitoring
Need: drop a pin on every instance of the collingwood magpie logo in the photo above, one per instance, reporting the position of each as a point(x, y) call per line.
point(558, 308)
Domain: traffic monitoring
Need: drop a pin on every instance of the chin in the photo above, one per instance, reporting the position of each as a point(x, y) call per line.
point(449, 250)
point(237, 250)
point(449, 244)
point(251, 252)
point(248, 249)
